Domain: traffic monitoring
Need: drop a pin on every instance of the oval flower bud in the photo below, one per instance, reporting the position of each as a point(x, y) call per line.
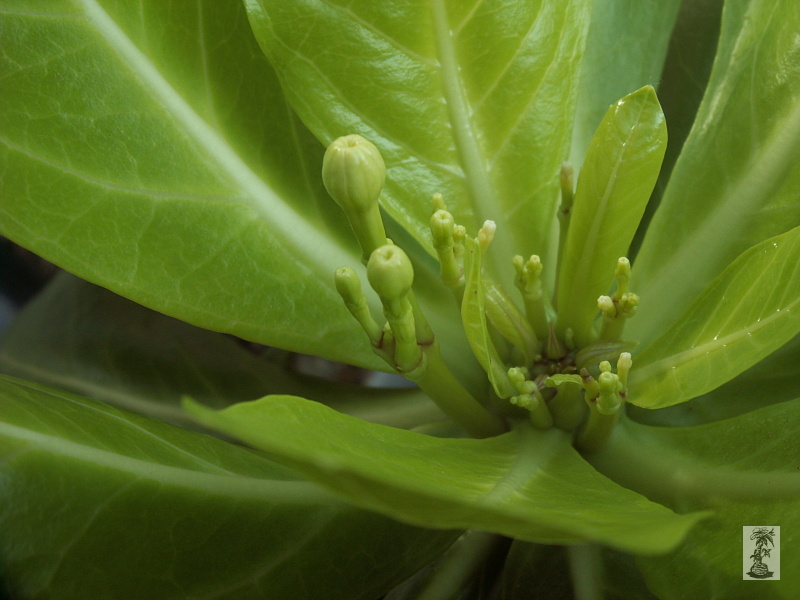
point(390, 272)
point(353, 172)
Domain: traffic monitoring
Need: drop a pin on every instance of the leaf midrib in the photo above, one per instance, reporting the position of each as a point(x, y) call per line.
point(677, 360)
point(306, 239)
point(784, 143)
point(233, 484)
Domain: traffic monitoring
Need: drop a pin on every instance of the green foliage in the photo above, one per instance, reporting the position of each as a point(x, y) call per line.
point(742, 468)
point(523, 484)
point(746, 313)
point(616, 180)
point(172, 152)
point(735, 183)
point(187, 515)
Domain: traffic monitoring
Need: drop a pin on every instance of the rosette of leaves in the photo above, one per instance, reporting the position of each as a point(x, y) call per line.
point(171, 153)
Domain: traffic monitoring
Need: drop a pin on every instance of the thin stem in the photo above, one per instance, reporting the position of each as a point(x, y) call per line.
point(458, 565)
point(584, 563)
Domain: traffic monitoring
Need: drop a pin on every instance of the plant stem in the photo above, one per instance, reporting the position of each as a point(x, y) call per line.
point(585, 570)
point(458, 565)
point(436, 380)
point(597, 429)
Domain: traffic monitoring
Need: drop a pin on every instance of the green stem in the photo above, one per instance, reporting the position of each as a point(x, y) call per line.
point(584, 563)
point(612, 328)
point(458, 565)
point(436, 380)
point(595, 433)
point(568, 408)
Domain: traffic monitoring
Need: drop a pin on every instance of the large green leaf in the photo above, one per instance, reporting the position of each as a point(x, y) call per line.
point(474, 100)
point(625, 50)
point(614, 186)
point(99, 503)
point(527, 484)
point(687, 68)
point(749, 311)
point(149, 149)
point(736, 182)
point(746, 469)
point(85, 339)
point(768, 382)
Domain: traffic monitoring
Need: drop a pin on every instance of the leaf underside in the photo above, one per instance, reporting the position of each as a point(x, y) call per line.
point(527, 484)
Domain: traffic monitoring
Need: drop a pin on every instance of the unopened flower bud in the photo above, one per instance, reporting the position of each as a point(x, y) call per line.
point(390, 272)
point(353, 172)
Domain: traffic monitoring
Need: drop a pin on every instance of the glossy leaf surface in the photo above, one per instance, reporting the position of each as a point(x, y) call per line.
point(736, 182)
point(82, 338)
point(472, 100)
point(746, 469)
point(625, 50)
point(101, 503)
point(684, 77)
point(615, 183)
point(527, 484)
point(749, 311)
point(151, 151)
point(771, 381)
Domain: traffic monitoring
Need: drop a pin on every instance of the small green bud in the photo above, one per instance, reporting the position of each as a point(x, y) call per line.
point(624, 365)
point(442, 224)
point(608, 402)
point(628, 303)
point(607, 306)
point(486, 234)
point(605, 367)
point(590, 385)
point(623, 274)
point(608, 382)
point(390, 272)
point(349, 287)
point(353, 172)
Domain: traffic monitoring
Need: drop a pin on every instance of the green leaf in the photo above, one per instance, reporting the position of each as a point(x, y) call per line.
point(527, 484)
point(746, 469)
point(625, 50)
point(684, 77)
point(561, 379)
point(87, 340)
point(768, 382)
point(472, 100)
point(151, 151)
point(99, 503)
point(736, 182)
point(473, 316)
point(746, 313)
point(615, 183)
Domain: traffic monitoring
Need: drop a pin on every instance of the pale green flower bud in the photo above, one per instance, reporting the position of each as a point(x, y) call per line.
point(624, 365)
point(353, 172)
point(349, 288)
point(390, 272)
point(442, 225)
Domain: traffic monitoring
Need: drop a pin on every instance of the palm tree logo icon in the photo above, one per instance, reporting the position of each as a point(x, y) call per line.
point(764, 537)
